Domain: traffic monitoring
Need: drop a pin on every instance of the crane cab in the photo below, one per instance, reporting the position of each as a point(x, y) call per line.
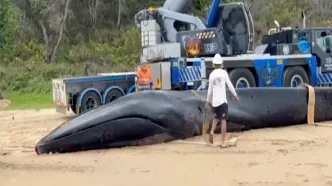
point(232, 33)
point(234, 22)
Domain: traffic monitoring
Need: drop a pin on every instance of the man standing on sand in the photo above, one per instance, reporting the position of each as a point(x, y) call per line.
point(217, 97)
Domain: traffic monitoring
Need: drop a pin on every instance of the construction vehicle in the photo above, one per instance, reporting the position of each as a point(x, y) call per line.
point(179, 45)
point(180, 48)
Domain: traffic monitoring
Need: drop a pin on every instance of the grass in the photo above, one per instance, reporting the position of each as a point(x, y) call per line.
point(21, 101)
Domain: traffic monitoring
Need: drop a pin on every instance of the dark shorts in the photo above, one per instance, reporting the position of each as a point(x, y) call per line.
point(221, 111)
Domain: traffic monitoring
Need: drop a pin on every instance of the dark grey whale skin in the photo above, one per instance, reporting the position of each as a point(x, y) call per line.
point(151, 117)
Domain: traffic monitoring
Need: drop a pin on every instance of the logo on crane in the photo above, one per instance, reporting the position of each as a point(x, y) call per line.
point(269, 74)
point(285, 49)
point(210, 47)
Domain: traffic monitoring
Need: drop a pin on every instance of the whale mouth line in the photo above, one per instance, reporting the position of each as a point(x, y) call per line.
point(140, 117)
point(103, 135)
point(131, 117)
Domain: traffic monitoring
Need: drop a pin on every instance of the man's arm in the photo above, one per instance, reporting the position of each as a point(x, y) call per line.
point(230, 85)
point(209, 94)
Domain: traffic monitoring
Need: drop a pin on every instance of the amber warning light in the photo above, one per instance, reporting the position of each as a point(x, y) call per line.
point(158, 83)
point(193, 48)
point(151, 9)
point(205, 35)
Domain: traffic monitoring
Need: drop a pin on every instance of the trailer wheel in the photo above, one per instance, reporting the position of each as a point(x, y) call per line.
point(242, 78)
point(113, 95)
point(90, 101)
point(295, 76)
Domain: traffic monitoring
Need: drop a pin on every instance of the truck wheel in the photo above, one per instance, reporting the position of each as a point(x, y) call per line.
point(90, 101)
point(113, 95)
point(242, 78)
point(295, 76)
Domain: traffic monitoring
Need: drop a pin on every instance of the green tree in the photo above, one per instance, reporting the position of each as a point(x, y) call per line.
point(9, 25)
point(286, 12)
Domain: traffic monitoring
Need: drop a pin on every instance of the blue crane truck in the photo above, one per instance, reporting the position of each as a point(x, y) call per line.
point(180, 48)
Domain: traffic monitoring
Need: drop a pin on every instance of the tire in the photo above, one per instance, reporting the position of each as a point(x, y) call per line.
point(90, 100)
point(294, 76)
point(113, 95)
point(242, 78)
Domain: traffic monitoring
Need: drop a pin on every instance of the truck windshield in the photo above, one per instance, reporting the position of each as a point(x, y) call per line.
point(233, 25)
point(325, 43)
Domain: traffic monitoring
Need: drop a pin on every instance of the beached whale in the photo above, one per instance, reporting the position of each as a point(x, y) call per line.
point(160, 116)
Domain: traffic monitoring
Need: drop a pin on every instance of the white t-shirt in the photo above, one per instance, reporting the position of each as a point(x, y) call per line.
point(217, 87)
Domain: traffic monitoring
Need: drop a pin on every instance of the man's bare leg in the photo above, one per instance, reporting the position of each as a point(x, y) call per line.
point(213, 128)
point(223, 132)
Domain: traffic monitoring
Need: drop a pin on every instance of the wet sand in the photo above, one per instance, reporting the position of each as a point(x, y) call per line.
point(297, 155)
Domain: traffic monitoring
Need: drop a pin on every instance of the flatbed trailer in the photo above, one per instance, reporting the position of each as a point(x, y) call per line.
point(80, 94)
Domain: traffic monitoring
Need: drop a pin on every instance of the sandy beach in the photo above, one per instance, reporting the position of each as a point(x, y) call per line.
point(290, 156)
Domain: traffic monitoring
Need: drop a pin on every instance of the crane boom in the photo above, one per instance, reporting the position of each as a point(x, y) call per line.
point(176, 5)
point(211, 16)
point(168, 31)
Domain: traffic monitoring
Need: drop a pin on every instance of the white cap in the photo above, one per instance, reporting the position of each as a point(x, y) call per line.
point(143, 59)
point(217, 59)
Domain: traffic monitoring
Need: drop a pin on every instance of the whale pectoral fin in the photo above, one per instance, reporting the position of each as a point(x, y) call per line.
point(232, 127)
point(157, 138)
